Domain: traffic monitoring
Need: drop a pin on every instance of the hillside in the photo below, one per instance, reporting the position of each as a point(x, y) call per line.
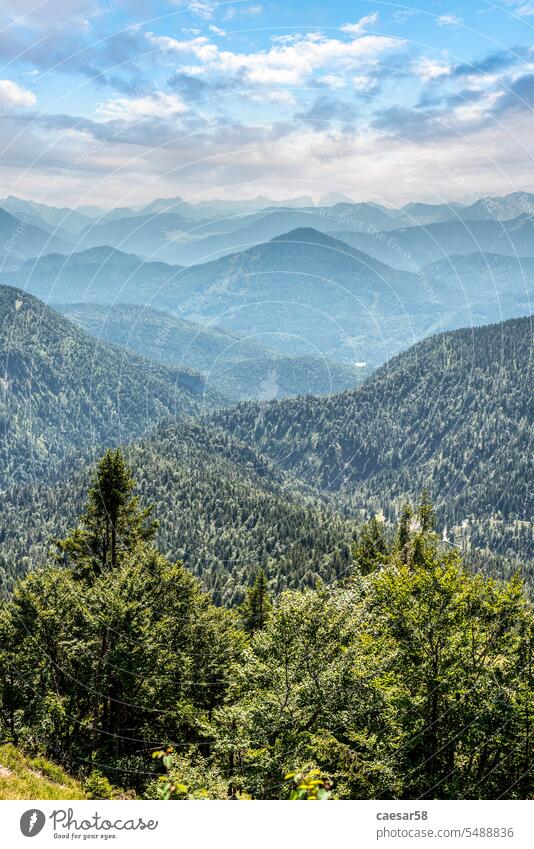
point(305, 293)
point(21, 239)
point(487, 286)
point(60, 390)
point(454, 412)
point(236, 366)
point(98, 275)
point(223, 510)
point(302, 293)
point(414, 247)
point(22, 777)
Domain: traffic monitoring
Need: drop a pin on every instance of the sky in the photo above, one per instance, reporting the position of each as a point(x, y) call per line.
point(117, 102)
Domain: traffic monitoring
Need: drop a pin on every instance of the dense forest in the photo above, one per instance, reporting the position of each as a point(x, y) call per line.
point(223, 509)
point(238, 367)
point(59, 390)
point(453, 413)
point(409, 678)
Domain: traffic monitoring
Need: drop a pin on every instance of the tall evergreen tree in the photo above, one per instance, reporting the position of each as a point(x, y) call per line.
point(257, 606)
point(404, 533)
point(426, 513)
point(112, 524)
point(371, 549)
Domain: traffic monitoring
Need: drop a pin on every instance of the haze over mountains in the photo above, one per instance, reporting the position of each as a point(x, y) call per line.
point(61, 391)
point(134, 329)
point(235, 365)
point(453, 413)
point(172, 230)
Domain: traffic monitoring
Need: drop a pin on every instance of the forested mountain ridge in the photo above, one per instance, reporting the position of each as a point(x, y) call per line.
point(237, 366)
point(454, 412)
point(222, 509)
point(61, 390)
point(305, 293)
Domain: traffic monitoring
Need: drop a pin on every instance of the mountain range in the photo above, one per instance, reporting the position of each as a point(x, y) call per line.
point(304, 293)
point(279, 483)
point(453, 413)
point(60, 390)
point(150, 355)
point(235, 365)
point(179, 232)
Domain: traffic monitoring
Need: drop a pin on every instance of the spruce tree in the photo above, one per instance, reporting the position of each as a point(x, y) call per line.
point(371, 549)
point(404, 533)
point(425, 512)
point(112, 524)
point(256, 608)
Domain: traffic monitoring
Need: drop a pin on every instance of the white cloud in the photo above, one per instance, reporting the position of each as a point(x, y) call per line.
point(216, 30)
point(449, 21)
point(200, 8)
point(275, 96)
point(284, 64)
point(361, 25)
point(333, 81)
point(12, 94)
point(232, 11)
point(429, 69)
point(157, 105)
point(363, 83)
point(524, 8)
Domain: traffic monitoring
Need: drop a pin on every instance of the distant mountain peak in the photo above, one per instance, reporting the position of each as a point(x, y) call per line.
point(308, 235)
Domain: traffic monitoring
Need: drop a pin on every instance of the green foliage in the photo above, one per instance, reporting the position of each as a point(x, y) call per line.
point(112, 525)
point(256, 609)
point(310, 786)
point(371, 548)
point(189, 776)
point(454, 413)
point(103, 663)
point(411, 679)
point(97, 786)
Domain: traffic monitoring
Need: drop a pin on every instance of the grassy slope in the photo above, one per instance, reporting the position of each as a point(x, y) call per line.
point(22, 777)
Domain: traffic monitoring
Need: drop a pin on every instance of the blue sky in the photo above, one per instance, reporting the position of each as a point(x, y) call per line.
point(116, 102)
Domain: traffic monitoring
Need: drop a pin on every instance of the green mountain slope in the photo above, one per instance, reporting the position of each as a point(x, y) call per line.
point(236, 366)
point(223, 509)
point(454, 412)
point(61, 390)
point(22, 777)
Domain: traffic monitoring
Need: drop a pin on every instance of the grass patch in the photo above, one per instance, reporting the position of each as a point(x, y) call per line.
point(22, 777)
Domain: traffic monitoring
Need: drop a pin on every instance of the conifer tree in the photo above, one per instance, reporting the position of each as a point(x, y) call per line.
point(371, 549)
point(257, 606)
point(425, 512)
point(404, 533)
point(112, 524)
